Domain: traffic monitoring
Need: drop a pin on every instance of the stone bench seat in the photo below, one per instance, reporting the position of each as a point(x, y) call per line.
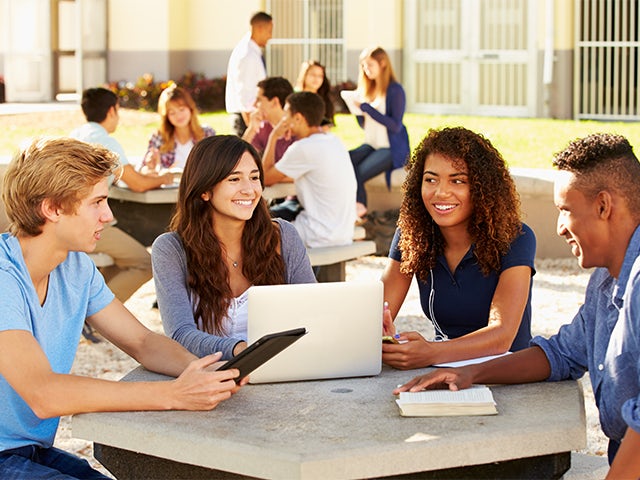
point(102, 259)
point(333, 259)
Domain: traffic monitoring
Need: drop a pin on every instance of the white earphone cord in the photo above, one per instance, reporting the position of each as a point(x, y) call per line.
point(440, 335)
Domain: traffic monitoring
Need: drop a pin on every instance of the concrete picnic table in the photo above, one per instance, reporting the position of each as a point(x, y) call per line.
point(344, 428)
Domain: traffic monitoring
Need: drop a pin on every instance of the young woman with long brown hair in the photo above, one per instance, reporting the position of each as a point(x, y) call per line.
point(222, 240)
point(179, 130)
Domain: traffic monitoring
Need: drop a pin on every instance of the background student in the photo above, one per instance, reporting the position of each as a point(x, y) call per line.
point(245, 69)
point(460, 234)
point(179, 130)
point(132, 262)
point(313, 78)
point(269, 110)
point(386, 141)
point(222, 241)
point(55, 194)
point(599, 216)
point(318, 163)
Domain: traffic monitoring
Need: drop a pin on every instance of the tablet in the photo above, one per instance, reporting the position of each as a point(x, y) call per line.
point(262, 350)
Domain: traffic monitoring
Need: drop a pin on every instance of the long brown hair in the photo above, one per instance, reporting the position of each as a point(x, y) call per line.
point(372, 88)
point(495, 221)
point(324, 91)
point(210, 161)
point(177, 95)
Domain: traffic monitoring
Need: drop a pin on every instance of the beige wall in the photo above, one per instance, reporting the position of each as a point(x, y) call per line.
point(373, 22)
point(138, 25)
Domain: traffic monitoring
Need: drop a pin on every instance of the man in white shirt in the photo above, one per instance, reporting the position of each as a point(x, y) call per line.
point(319, 165)
point(245, 69)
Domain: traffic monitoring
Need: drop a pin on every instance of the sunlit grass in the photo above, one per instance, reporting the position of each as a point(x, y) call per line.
point(523, 142)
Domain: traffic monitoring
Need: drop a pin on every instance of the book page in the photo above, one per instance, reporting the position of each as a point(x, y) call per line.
point(475, 394)
point(470, 361)
point(350, 97)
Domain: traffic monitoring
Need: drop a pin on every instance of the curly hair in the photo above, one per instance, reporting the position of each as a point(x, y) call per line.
point(182, 97)
point(211, 161)
point(603, 161)
point(495, 221)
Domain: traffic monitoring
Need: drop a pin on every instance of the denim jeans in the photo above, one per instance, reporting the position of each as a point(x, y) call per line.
point(612, 450)
point(35, 462)
point(367, 163)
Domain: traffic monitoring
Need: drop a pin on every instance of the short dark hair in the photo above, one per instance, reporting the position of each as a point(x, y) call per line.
point(603, 161)
point(96, 103)
point(260, 17)
point(309, 105)
point(276, 87)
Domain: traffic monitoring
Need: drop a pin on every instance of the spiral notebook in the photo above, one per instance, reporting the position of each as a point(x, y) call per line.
point(344, 329)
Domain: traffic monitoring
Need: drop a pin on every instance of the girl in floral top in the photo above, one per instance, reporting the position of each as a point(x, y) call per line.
point(179, 131)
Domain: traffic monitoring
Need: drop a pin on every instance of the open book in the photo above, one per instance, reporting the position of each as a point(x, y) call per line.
point(351, 99)
point(477, 400)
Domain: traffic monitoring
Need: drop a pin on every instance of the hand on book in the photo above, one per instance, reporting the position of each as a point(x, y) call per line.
point(451, 378)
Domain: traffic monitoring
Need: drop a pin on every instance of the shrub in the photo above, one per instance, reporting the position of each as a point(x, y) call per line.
point(208, 93)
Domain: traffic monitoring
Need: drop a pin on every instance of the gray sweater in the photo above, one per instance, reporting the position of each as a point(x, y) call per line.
point(174, 296)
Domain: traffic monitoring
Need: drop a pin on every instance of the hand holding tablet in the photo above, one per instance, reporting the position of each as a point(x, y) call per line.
point(262, 350)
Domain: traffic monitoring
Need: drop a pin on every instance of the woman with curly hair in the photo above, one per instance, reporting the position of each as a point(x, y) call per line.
point(460, 234)
point(179, 131)
point(222, 240)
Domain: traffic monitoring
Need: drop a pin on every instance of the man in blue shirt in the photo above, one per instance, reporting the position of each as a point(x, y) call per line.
point(596, 194)
point(55, 193)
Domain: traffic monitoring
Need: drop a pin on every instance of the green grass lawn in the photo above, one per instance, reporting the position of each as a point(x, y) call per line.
point(523, 142)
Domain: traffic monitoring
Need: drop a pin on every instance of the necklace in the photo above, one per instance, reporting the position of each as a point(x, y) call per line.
point(233, 262)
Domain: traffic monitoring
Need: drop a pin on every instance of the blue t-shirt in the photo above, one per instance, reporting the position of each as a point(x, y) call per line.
point(462, 299)
point(76, 290)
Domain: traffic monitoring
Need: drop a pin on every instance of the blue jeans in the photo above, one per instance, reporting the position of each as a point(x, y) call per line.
point(367, 163)
point(35, 462)
point(612, 450)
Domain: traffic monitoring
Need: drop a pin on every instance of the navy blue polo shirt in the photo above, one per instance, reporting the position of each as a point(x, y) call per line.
point(462, 299)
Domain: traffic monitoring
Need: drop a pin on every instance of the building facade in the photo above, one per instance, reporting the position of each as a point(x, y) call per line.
point(518, 58)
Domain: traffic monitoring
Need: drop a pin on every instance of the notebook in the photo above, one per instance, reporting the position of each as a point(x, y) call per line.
point(344, 329)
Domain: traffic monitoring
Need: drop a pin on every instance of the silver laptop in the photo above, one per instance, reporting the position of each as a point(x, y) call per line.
point(344, 329)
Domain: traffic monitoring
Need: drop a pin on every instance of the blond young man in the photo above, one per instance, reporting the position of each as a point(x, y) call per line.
point(55, 193)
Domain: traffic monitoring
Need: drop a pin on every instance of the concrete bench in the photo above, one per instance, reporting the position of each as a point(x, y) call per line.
point(102, 259)
point(333, 260)
point(534, 185)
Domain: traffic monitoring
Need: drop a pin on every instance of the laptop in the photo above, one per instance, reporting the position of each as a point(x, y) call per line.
point(344, 329)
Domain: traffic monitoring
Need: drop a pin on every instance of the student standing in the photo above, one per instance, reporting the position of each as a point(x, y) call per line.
point(222, 241)
point(386, 141)
point(55, 193)
point(599, 216)
point(460, 234)
point(245, 69)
